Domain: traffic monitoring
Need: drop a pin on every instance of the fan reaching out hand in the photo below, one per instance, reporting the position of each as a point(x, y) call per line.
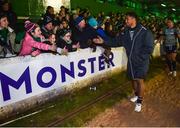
point(98, 40)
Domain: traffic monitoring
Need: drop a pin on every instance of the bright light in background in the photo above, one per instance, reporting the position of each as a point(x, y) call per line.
point(163, 5)
point(173, 9)
point(56, 4)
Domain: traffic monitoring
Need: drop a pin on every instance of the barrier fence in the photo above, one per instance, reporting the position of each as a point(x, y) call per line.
point(26, 81)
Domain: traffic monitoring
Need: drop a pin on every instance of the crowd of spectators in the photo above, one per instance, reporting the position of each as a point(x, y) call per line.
point(66, 31)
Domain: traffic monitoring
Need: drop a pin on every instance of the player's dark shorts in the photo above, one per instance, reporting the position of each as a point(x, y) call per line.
point(171, 49)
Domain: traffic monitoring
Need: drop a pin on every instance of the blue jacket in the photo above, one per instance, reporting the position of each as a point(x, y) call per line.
point(138, 50)
point(83, 36)
point(102, 34)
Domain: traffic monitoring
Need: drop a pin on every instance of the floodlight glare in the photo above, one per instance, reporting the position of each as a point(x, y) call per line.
point(163, 5)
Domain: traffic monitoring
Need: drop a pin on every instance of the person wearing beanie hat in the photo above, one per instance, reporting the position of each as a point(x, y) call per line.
point(7, 37)
point(32, 43)
point(107, 50)
point(64, 40)
point(29, 26)
point(47, 26)
point(78, 20)
point(93, 22)
point(83, 33)
point(47, 20)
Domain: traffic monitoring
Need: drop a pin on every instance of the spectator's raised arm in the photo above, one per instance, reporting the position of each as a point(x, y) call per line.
point(112, 42)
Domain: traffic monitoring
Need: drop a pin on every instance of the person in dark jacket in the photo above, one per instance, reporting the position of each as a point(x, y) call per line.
point(83, 33)
point(100, 31)
point(47, 27)
point(138, 42)
point(64, 40)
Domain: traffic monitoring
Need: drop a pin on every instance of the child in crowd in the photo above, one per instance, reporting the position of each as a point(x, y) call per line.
point(61, 25)
point(83, 33)
point(52, 39)
point(32, 43)
point(7, 37)
point(60, 51)
point(64, 40)
point(100, 31)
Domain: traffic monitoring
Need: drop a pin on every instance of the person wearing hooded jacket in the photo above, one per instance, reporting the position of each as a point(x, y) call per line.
point(138, 42)
point(100, 32)
point(83, 33)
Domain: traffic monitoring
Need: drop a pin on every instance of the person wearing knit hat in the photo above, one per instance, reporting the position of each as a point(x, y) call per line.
point(93, 22)
point(78, 20)
point(47, 20)
point(29, 26)
point(47, 26)
point(83, 33)
point(107, 50)
point(32, 43)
